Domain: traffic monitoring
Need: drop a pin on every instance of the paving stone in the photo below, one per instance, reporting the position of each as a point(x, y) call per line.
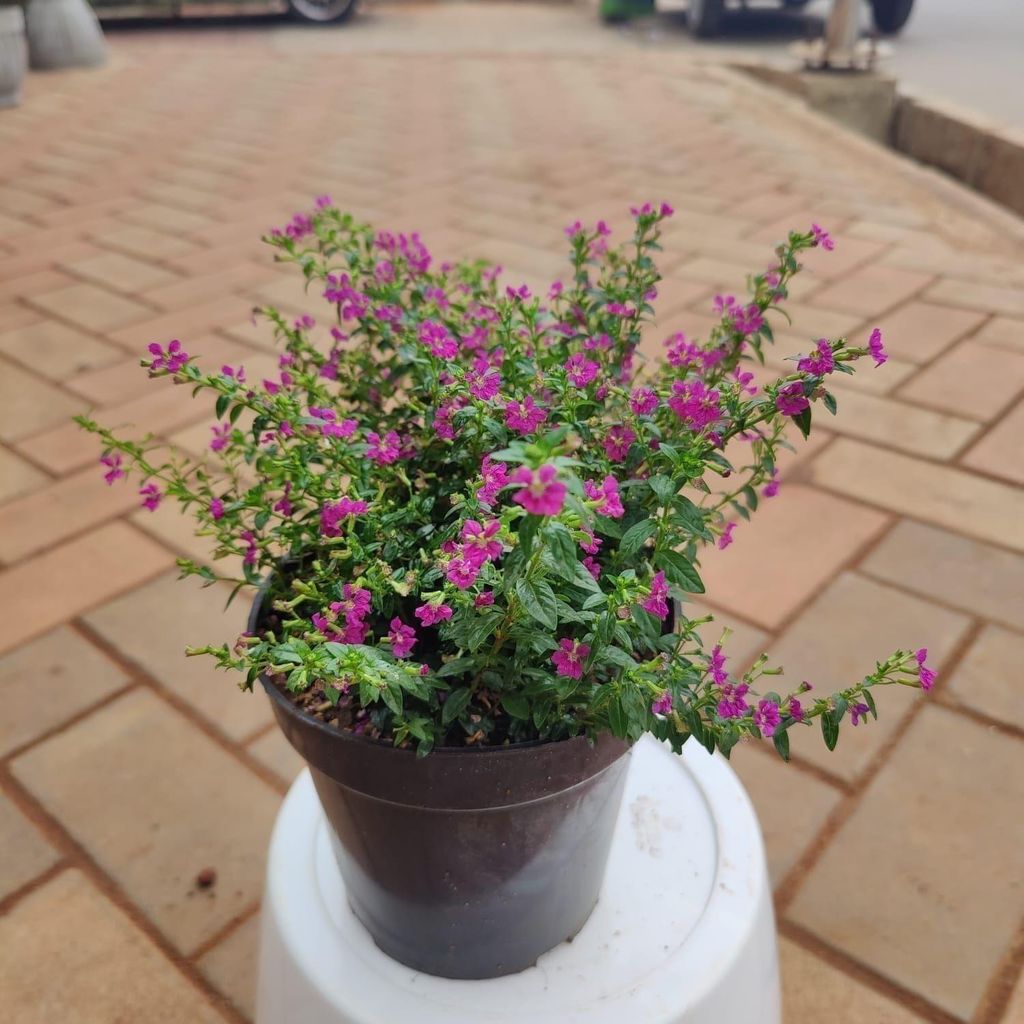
point(899, 424)
point(717, 274)
point(55, 350)
point(849, 254)
point(274, 751)
point(985, 297)
point(1014, 1012)
point(24, 852)
point(90, 307)
point(154, 624)
point(812, 322)
point(73, 577)
point(919, 331)
point(183, 805)
point(17, 476)
point(170, 219)
point(142, 242)
point(121, 273)
point(183, 323)
point(912, 845)
point(954, 569)
point(231, 966)
point(826, 646)
point(204, 286)
point(939, 494)
point(1000, 452)
point(109, 970)
point(792, 805)
point(872, 290)
point(674, 294)
point(792, 547)
point(989, 677)
point(29, 404)
point(45, 517)
point(1003, 332)
point(814, 991)
point(50, 681)
point(974, 380)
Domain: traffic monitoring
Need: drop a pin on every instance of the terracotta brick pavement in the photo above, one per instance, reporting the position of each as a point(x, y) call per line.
point(130, 205)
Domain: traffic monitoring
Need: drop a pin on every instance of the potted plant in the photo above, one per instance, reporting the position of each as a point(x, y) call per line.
point(63, 34)
point(470, 519)
point(13, 54)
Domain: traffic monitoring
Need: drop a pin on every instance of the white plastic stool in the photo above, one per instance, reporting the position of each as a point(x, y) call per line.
point(683, 932)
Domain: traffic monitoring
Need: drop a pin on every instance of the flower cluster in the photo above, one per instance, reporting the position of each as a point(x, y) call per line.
point(475, 515)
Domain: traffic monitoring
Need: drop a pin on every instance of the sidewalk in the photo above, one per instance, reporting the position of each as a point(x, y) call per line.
point(130, 208)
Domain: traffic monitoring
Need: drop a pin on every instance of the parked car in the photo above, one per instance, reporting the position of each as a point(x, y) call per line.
point(704, 17)
point(306, 10)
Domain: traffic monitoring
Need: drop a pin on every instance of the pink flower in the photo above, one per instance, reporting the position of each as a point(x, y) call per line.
point(495, 477)
point(822, 238)
point(431, 614)
point(662, 705)
point(592, 544)
point(617, 442)
point(656, 602)
point(172, 360)
point(696, 405)
point(438, 340)
point(334, 512)
point(732, 701)
point(876, 348)
point(251, 548)
point(925, 675)
point(607, 495)
point(484, 600)
point(568, 659)
point(795, 709)
point(643, 401)
point(462, 572)
point(859, 712)
point(821, 362)
point(591, 564)
point(216, 508)
point(112, 460)
point(236, 375)
point(151, 496)
point(767, 717)
point(384, 450)
point(771, 488)
point(221, 435)
point(580, 370)
point(747, 320)
point(478, 543)
point(542, 494)
point(524, 417)
point(791, 400)
point(484, 386)
point(402, 638)
point(726, 538)
point(716, 666)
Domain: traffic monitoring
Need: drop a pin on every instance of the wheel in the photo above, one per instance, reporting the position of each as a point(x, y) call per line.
point(322, 11)
point(704, 17)
point(891, 15)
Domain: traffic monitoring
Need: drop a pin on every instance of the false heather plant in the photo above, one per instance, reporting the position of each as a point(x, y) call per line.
point(475, 514)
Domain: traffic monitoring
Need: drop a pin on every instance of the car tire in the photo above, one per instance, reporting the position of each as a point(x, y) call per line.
point(704, 17)
point(322, 12)
point(891, 15)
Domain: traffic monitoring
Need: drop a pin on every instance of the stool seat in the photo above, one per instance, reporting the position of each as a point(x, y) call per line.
point(683, 932)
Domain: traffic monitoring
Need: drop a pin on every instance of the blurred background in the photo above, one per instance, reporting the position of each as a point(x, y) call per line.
point(139, 165)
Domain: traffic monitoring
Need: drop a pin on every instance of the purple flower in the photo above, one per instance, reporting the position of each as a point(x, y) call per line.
point(332, 513)
point(876, 348)
point(383, 450)
point(112, 460)
point(767, 717)
point(694, 404)
point(795, 709)
point(858, 713)
point(251, 549)
point(216, 508)
point(568, 659)
point(462, 572)
point(925, 675)
point(524, 417)
point(771, 488)
point(236, 375)
point(478, 541)
point(591, 564)
point(221, 436)
point(662, 705)
point(643, 401)
point(617, 442)
point(484, 386)
point(151, 496)
point(580, 370)
point(726, 538)
point(172, 360)
point(822, 238)
point(607, 496)
point(732, 701)
point(656, 602)
point(431, 614)
point(821, 362)
point(437, 338)
point(542, 494)
point(495, 477)
point(484, 600)
point(716, 666)
point(791, 400)
point(402, 638)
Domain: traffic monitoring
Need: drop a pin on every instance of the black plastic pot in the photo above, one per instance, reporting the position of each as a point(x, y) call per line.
point(470, 862)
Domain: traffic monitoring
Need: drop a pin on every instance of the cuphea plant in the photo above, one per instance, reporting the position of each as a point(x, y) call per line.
point(475, 511)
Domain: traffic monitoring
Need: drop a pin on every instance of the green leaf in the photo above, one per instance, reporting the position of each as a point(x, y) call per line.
point(455, 704)
point(830, 730)
point(803, 421)
point(455, 667)
point(870, 701)
point(562, 549)
point(633, 539)
point(618, 720)
point(829, 401)
point(781, 741)
point(679, 570)
point(516, 705)
point(538, 600)
point(223, 401)
point(663, 487)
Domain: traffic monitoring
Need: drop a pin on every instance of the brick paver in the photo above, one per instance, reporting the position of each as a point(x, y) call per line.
point(131, 203)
